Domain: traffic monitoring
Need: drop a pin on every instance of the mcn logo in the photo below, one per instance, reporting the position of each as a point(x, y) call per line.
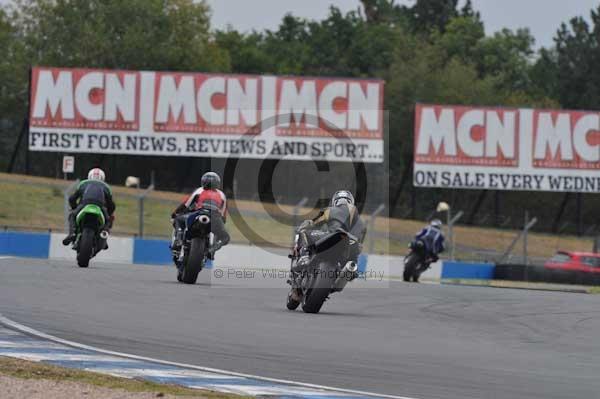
point(206, 103)
point(457, 135)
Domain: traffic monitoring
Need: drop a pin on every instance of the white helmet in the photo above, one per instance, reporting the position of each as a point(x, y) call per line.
point(96, 174)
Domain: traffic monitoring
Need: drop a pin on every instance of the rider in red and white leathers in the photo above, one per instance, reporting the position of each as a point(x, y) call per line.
point(206, 197)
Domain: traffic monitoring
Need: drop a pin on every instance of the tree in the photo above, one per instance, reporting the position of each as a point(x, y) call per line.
point(13, 86)
point(578, 53)
point(137, 34)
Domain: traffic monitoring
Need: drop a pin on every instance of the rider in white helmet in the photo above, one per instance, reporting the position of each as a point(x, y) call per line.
point(91, 191)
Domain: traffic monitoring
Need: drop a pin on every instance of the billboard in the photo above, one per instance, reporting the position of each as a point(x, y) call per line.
point(205, 115)
point(506, 149)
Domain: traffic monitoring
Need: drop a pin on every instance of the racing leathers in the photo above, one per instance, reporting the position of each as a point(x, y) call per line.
point(345, 217)
point(433, 240)
point(88, 192)
point(213, 200)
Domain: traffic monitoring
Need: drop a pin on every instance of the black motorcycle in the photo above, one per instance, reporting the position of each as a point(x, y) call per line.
point(417, 261)
point(321, 268)
point(195, 248)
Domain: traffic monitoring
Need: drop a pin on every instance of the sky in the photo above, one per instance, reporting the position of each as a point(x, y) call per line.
point(542, 17)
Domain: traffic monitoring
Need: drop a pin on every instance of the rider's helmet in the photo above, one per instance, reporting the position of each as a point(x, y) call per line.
point(342, 197)
point(436, 224)
point(96, 174)
point(210, 181)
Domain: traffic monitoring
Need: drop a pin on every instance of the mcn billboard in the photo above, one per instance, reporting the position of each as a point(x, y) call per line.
point(506, 149)
point(207, 115)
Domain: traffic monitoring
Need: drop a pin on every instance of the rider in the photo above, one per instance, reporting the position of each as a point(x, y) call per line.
point(342, 213)
point(208, 196)
point(91, 191)
point(433, 238)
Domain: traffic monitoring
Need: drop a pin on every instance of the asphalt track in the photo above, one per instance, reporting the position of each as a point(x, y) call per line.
point(422, 341)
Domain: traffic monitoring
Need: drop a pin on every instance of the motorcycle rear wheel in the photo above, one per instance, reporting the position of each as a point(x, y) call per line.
point(321, 284)
point(86, 247)
point(410, 267)
point(194, 262)
point(291, 303)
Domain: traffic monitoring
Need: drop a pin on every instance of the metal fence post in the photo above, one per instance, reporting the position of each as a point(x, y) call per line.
point(525, 257)
point(141, 200)
point(451, 222)
point(66, 194)
point(371, 230)
point(295, 212)
point(523, 233)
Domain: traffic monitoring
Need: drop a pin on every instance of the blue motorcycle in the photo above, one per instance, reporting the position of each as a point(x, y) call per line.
point(196, 246)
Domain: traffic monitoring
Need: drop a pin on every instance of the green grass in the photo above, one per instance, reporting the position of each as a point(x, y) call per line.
point(37, 203)
point(30, 370)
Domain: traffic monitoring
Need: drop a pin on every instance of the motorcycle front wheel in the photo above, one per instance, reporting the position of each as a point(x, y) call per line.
point(291, 303)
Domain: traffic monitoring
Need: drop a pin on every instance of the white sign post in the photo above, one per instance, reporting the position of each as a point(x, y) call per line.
point(68, 165)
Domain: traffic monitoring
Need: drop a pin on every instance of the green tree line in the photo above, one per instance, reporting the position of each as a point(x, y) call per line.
point(430, 51)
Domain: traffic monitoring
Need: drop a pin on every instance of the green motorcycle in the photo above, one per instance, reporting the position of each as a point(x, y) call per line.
point(91, 236)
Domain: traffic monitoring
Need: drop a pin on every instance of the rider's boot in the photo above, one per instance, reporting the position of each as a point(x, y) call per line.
point(71, 236)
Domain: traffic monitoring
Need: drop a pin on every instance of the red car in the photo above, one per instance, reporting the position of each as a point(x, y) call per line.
point(579, 261)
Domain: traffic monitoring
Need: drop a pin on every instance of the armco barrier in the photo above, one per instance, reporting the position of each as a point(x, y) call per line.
point(156, 252)
point(463, 270)
point(151, 252)
point(541, 274)
point(32, 245)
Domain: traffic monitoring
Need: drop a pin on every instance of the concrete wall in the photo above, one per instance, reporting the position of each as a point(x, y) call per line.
point(120, 250)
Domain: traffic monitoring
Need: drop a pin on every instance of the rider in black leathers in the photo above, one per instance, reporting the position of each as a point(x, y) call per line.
point(341, 214)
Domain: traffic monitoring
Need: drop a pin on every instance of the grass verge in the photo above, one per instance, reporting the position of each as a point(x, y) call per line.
point(37, 203)
point(525, 285)
point(31, 370)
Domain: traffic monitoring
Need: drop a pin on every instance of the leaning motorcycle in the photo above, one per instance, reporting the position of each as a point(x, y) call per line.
point(417, 261)
point(90, 234)
point(195, 248)
point(321, 268)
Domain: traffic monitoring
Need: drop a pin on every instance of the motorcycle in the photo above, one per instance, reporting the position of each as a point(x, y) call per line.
point(417, 261)
point(91, 236)
point(320, 269)
point(195, 248)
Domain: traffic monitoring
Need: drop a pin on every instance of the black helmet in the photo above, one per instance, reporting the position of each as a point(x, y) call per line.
point(210, 180)
point(342, 197)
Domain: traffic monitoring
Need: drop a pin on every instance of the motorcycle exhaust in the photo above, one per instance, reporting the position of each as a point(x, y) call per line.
point(104, 234)
point(347, 274)
point(204, 219)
